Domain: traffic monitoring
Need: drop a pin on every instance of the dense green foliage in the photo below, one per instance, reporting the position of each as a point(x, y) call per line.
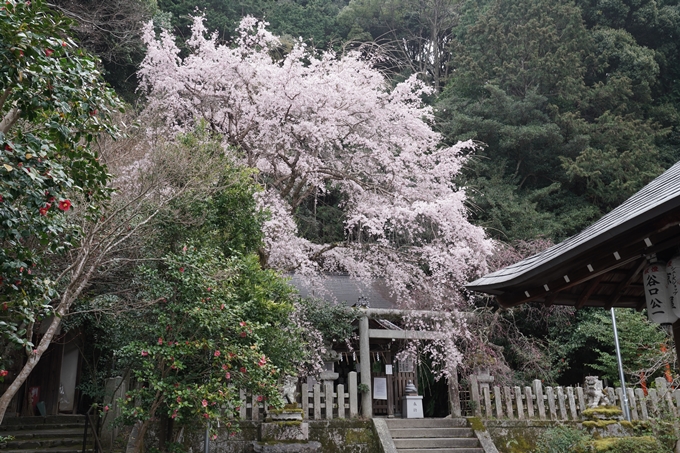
point(53, 102)
point(570, 115)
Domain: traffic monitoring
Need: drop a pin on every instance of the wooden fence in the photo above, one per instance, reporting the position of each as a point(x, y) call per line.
point(323, 402)
point(565, 403)
point(318, 402)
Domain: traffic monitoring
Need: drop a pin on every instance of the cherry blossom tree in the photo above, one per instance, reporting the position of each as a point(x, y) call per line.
point(314, 122)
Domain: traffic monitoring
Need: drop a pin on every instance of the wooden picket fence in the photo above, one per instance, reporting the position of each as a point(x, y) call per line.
point(565, 403)
point(318, 402)
point(326, 403)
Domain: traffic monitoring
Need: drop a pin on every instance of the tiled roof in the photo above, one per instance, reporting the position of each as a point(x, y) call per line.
point(658, 197)
point(344, 289)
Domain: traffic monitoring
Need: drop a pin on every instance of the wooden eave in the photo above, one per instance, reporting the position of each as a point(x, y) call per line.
point(604, 268)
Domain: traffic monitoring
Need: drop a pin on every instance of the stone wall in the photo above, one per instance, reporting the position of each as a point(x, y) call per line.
point(335, 436)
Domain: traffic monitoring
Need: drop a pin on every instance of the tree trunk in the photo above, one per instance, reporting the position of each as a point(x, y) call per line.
point(70, 294)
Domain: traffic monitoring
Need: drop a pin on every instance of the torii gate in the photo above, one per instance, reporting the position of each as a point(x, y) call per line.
point(365, 334)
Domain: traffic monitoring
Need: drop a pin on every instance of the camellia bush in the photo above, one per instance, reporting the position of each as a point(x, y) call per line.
point(53, 103)
point(197, 345)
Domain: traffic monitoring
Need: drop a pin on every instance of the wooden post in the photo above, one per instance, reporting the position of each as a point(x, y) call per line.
point(530, 401)
point(654, 399)
point(317, 401)
point(365, 358)
point(611, 395)
point(632, 404)
point(540, 404)
point(520, 406)
point(498, 400)
point(560, 403)
point(244, 404)
point(619, 395)
point(572, 403)
point(254, 408)
point(329, 401)
point(550, 393)
point(508, 401)
point(341, 401)
point(474, 395)
point(304, 395)
point(487, 401)
point(389, 378)
point(353, 397)
point(581, 399)
point(644, 415)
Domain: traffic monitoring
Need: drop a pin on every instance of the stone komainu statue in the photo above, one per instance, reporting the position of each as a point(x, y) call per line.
point(289, 387)
point(595, 393)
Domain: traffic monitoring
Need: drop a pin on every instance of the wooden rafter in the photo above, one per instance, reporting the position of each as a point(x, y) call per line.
point(625, 283)
point(609, 260)
point(585, 295)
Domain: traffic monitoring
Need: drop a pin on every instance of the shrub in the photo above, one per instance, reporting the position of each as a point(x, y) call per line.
point(561, 439)
point(645, 444)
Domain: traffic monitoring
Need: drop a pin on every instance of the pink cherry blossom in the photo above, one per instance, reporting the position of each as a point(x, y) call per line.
point(313, 121)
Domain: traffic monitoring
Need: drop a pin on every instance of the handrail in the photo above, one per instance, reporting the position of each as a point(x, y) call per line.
point(88, 422)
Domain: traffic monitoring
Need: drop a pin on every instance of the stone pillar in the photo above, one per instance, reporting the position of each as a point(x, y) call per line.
point(365, 359)
point(454, 393)
point(114, 390)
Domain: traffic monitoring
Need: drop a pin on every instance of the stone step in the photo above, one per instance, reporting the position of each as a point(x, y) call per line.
point(35, 444)
point(37, 428)
point(396, 423)
point(39, 421)
point(436, 443)
point(400, 433)
point(46, 432)
point(440, 450)
point(66, 449)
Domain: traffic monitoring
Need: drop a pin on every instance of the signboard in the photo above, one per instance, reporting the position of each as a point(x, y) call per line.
point(380, 388)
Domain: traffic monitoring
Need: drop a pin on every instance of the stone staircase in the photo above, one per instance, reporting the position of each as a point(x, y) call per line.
point(54, 434)
point(433, 435)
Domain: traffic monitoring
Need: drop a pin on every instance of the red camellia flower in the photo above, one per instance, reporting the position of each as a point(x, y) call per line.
point(259, 398)
point(181, 269)
point(262, 361)
point(242, 324)
point(243, 334)
point(217, 353)
point(44, 209)
point(242, 369)
point(227, 376)
point(49, 52)
point(160, 340)
point(204, 403)
point(64, 205)
point(144, 353)
point(3, 373)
